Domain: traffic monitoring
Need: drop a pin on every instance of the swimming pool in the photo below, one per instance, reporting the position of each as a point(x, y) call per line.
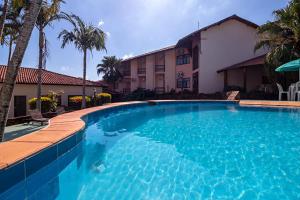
point(176, 151)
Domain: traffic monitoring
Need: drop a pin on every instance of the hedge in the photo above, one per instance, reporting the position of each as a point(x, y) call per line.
point(103, 98)
point(47, 104)
point(76, 101)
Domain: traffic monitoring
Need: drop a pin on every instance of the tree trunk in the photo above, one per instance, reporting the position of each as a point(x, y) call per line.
point(15, 62)
point(9, 49)
point(40, 68)
point(3, 18)
point(83, 81)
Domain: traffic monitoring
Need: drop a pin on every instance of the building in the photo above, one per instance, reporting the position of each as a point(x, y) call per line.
point(26, 88)
point(208, 60)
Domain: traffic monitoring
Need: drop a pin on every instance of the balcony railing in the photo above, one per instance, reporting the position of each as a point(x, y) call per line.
point(126, 73)
point(141, 70)
point(160, 90)
point(126, 90)
point(159, 68)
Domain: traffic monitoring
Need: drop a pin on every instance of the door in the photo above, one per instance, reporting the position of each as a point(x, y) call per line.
point(195, 58)
point(19, 106)
point(195, 83)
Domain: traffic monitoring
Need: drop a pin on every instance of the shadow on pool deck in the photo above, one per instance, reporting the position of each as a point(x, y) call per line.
point(12, 132)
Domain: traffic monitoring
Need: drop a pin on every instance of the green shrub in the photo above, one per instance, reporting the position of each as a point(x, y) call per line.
point(103, 98)
point(47, 104)
point(76, 101)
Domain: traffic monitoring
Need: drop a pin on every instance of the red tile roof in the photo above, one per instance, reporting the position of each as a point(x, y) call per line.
point(232, 17)
point(151, 52)
point(259, 60)
point(182, 40)
point(29, 76)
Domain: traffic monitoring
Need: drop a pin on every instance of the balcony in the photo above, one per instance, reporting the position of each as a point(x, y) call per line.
point(126, 73)
point(126, 90)
point(141, 71)
point(159, 68)
point(160, 90)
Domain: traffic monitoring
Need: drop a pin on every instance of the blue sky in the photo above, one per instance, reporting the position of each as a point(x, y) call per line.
point(137, 26)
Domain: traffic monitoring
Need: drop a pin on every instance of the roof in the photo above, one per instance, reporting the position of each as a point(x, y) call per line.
point(151, 52)
point(29, 76)
point(233, 17)
point(103, 83)
point(260, 60)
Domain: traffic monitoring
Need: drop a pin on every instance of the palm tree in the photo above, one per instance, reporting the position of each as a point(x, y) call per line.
point(281, 37)
point(109, 69)
point(48, 14)
point(17, 5)
point(14, 21)
point(3, 17)
point(85, 37)
point(13, 67)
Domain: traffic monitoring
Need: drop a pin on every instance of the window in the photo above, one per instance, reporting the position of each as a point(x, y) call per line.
point(183, 59)
point(183, 83)
point(180, 52)
point(160, 59)
point(59, 100)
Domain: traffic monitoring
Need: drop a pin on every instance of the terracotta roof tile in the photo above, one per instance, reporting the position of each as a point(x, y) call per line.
point(29, 76)
point(259, 60)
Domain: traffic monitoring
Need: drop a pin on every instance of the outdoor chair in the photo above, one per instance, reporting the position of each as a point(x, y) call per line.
point(297, 91)
point(60, 110)
point(281, 92)
point(36, 116)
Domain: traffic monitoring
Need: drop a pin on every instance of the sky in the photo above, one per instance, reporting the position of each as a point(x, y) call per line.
point(137, 26)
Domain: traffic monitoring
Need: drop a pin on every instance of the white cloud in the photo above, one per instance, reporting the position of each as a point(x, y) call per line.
point(101, 23)
point(126, 56)
point(108, 34)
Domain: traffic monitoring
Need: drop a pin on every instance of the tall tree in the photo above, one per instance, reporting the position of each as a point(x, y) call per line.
point(12, 26)
point(85, 37)
point(110, 69)
point(49, 13)
point(282, 36)
point(3, 17)
point(13, 67)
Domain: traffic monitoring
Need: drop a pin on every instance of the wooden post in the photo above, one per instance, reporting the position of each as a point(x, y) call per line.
point(245, 78)
point(225, 79)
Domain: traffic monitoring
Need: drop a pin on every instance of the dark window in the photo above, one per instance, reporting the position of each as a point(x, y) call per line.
point(184, 83)
point(195, 58)
point(195, 82)
point(182, 60)
point(59, 100)
point(20, 106)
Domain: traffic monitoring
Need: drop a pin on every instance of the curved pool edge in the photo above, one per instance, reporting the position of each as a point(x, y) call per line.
point(60, 128)
point(23, 156)
point(69, 124)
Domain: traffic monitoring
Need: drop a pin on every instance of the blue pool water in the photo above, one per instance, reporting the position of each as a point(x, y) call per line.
point(178, 151)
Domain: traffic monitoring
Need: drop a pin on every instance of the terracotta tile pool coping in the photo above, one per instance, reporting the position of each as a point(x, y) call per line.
point(66, 125)
point(269, 103)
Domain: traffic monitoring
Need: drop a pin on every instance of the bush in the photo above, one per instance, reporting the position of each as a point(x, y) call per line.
point(76, 101)
point(47, 104)
point(141, 94)
point(103, 98)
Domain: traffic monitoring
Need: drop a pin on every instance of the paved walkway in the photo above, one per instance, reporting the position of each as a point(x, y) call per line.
point(12, 132)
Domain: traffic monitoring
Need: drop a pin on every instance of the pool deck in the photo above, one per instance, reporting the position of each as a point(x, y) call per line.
point(15, 131)
point(64, 126)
